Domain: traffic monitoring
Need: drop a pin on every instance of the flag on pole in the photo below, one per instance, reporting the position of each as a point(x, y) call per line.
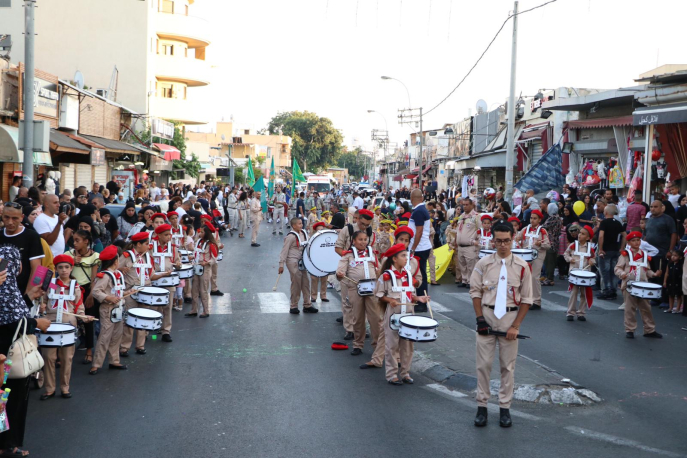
point(250, 181)
point(272, 178)
point(260, 187)
point(297, 174)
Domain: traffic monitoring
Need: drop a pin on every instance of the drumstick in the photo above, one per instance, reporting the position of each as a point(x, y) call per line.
point(275, 285)
point(74, 314)
point(350, 279)
point(429, 306)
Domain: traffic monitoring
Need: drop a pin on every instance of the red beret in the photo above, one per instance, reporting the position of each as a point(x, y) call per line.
point(538, 213)
point(159, 215)
point(207, 217)
point(365, 213)
point(63, 258)
point(210, 226)
point(513, 219)
point(163, 228)
point(634, 235)
point(318, 224)
point(394, 250)
point(139, 237)
point(590, 230)
point(339, 346)
point(109, 253)
point(486, 217)
point(404, 229)
point(170, 214)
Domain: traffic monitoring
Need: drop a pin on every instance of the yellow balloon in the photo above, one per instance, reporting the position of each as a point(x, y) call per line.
point(578, 207)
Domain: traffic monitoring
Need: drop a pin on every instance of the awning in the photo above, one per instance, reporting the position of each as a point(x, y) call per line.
point(42, 158)
point(170, 152)
point(205, 166)
point(532, 131)
point(398, 178)
point(112, 146)
point(159, 164)
point(429, 166)
point(64, 143)
point(9, 141)
point(411, 176)
point(145, 150)
point(601, 122)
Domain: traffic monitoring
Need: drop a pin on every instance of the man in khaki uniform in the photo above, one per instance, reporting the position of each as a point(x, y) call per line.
point(466, 243)
point(163, 251)
point(255, 217)
point(501, 292)
point(291, 254)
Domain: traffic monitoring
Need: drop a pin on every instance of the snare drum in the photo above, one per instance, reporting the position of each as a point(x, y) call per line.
point(644, 289)
point(185, 256)
point(582, 278)
point(483, 253)
point(157, 297)
point(198, 270)
point(526, 254)
point(220, 255)
point(57, 335)
point(418, 328)
point(166, 282)
point(186, 271)
point(366, 287)
point(145, 319)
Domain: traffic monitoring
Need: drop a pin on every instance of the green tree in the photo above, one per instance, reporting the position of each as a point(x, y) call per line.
point(316, 142)
point(190, 166)
point(353, 161)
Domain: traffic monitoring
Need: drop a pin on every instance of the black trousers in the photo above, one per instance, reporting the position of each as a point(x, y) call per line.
point(89, 328)
point(659, 262)
point(424, 256)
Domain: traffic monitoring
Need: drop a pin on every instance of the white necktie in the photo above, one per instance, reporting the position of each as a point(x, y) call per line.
point(501, 292)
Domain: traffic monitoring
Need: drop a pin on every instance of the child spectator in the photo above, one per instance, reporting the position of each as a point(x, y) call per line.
point(672, 282)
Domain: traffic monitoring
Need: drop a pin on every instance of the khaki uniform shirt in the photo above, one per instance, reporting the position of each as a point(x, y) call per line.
point(255, 210)
point(484, 280)
point(375, 223)
point(623, 267)
point(451, 233)
point(543, 236)
point(312, 219)
point(356, 270)
point(169, 262)
point(384, 288)
point(103, 287)
point(292, 251)
point(574, 259)
point(75, 306)
point(468, 225)
point(131, 278)
point(344, 239)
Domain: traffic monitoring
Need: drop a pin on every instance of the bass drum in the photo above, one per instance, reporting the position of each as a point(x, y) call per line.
point(312, 270)
point(321, 252)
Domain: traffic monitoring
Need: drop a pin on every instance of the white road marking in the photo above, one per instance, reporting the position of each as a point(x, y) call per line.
point(333, 306)
point(273, 303)
point(604, 305)
point(618, 441)
point(221, 305)
point(552, 306)
point(437, 307)
point(444, 390)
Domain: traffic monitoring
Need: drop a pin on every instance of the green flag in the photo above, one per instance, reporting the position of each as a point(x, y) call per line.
point(260, 186)
point(297, 174)
point(272, 178)
point(250, 181)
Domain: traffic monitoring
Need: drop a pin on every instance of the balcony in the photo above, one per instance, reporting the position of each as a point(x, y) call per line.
point(190, 29)
point(192, 72)
point(182, 110)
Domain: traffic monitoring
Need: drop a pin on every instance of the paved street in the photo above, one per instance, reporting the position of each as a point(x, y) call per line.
point(254, 380)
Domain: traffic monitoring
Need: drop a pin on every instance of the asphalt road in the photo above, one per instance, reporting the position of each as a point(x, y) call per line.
point(253, 380)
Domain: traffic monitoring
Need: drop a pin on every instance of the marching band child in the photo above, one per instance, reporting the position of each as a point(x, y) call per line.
point(312, 219)
point(318, 284)
point(581, 245)
point(395, 277)
point(187, 245)
point(214, 289)
point(165, 258)
point(358, 267)
point(376, 219)
point(633, 266)
point(204, 255)
point(484, 234)
point(177, 230)
point(403, 235)
point(291, 254)
point(327, 217)
point(535, 237)
point(673, 282)
point(451, 233)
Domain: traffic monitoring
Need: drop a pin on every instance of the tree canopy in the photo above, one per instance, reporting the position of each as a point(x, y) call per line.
point(354, 161)
point(316, 144)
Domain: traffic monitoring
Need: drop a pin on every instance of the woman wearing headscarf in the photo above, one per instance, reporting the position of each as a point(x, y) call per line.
point(553, 230)
point(127, 220)
point(569, 216)
point(87, 224)
point(108, 227)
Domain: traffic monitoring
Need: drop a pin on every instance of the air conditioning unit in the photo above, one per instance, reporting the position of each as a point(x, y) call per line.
point(104, 93)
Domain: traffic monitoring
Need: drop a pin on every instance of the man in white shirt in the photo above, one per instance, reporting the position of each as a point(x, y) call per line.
point(154, 192)
point(358, 202)
point(49, 225)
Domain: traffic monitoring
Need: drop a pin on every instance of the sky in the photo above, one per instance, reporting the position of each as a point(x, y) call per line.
point(327, 56)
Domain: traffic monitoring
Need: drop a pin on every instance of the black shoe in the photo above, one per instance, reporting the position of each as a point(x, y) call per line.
point(46, 396)
point(123, 354)
point(66, 395)
point(324, 299)
point(339, 320)
point(581, 318)
point(166, 338)
point(654, 335)
point(459, 285)
point(216, 293)
point(139, 351)
point(421, 308)
point(356, 352)
point(119, 368)
point(396, 382)
point(255, 244)
point(367, 335)
point(535, 307)
point(187, 300)
point(311, 309)
point(629, 335)
point(294, 310)
point(504, 420)
point(369, 366)
point(602, 296)
point(190, 314)
point(408, 380)
point(348, 336)
point(481, 417)
point(612, 296)
point(570, 318)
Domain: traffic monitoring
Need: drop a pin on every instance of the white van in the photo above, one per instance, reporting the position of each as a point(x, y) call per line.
point(319, 183)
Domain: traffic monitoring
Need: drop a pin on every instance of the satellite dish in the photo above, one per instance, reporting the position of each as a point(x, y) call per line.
point(223, 137)
point(481, 106)
point(78, 79)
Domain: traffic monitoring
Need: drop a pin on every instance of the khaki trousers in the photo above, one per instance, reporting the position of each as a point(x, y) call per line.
point(572, 302)
point(213, 280)
point(110, 338)
point(536, 275)
point(66, 357)
point(187, 287)
point(432, 266)
point(346, 305)
point(631, 305)
point(396, 348)
point(243, 223)
point(454, 262)
point(508, 353)
point(200, 291)
point(318, 284)
point(300, 285)
point(254, 234)
point(166, 312)
point(128, 332)
point(368, 307)
point(467, 258)
point(278, 220)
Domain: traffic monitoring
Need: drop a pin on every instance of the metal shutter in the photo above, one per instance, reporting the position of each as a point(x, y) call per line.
point(84, 175)
point(536, 151)
point(100, 175)
point(67, 180)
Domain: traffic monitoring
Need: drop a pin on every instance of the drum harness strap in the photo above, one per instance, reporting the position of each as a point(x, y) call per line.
point(300, 242)
point(530, 236)
point(369, 258)
point(177, 235)
point(118, 281)
point(635, 265)
point(199, 251)
point(141, 267)
point(405, 290)
point(59, 300)
point(484, 238)
point(167, 253)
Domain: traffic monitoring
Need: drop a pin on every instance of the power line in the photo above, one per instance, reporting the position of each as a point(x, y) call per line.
point(485, 51)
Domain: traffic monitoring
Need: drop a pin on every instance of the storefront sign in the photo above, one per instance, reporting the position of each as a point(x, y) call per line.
point(97, 157)
point(162, 129)
point(666, 116)
point(124, 180)
point(45, 97)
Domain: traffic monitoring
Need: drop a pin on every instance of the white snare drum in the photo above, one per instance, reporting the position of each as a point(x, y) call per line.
point(418, 328)
point(186, 271)
point(145, 319)
point(185, 256)
point(116, 313)
point(157, 297)
point(366, 287)
point(220, 255)
point(57, 335)
point(644, 290)
point(395, 320)
point(582, 278)
point(483, 253)
point(526, 254)
point(165, 282)
point(198, 270)
point(320, 251)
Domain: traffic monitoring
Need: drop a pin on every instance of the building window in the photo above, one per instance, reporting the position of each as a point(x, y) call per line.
point(167, 92)
point(168, 50)
point(184, 92)
point(185, 52)
point(186, 9)
point(167, 6)
point(246, 132)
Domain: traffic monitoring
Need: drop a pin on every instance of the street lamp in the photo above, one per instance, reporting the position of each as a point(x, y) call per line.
point(407, 92)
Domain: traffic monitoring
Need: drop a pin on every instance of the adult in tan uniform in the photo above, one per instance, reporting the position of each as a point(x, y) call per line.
point(343, 243)
point(256, 218)
point(165, 258)
point(501, 292)
point(291, 254)
point(535, 237)
point(358, 268)
point(466, 243)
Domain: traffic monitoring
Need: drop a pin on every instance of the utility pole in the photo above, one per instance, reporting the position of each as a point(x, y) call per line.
point(409, 116)
point(29, 72)
point(377, 137)
point(510, 144)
